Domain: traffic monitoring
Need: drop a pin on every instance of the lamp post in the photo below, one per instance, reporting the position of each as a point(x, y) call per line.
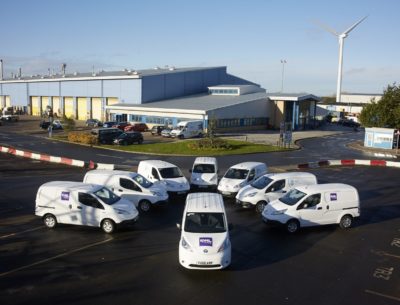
point(283, 62)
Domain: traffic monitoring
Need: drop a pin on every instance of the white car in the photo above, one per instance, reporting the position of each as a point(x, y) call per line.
point(167, 173)
point(239, 176)
point(84, 204)
point(132, 186)
point(204, 242)
point(314, 205)
point(270, 187)
point(204, 173)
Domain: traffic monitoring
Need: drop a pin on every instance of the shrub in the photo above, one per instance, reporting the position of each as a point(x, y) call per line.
point(68, 123)
point(210, 143)
point(82, 137)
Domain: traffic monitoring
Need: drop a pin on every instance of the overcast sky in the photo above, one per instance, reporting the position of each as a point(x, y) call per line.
point(249, 37)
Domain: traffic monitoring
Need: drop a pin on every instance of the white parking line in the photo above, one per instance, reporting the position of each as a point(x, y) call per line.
point(55, 257)
point(383, 295)
point(17, 233)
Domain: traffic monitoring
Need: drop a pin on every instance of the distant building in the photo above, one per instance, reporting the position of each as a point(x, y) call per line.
point(160, 96)
point(351, 103)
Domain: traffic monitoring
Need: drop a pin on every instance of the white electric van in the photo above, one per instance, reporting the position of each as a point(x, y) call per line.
point(132, 186)
point(204, 173)
point(84, 204)
point(314, 205)
point(270, 187)
point(167, 173)
point(204, 242)
point(187, 129)
point(239, 176)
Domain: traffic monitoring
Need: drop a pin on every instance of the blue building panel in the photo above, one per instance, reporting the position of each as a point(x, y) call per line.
point(174, 85)
point(153, 88)
point(194, 82)
point(17, 92)
point(126, 90)
point(44, 89)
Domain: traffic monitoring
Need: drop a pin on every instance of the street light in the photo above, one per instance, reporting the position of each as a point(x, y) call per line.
point(283, 62)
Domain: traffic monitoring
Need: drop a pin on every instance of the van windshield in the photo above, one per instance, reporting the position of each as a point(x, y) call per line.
point(204, 168)
point(205, 223)
point(142, 181)
point(261, 182)
point(107, 196)
point(171, 172)
point(234, 173)
point(292, 197)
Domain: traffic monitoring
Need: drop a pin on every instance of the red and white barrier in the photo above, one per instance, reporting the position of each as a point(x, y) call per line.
point(349, 162)
point(54, 159)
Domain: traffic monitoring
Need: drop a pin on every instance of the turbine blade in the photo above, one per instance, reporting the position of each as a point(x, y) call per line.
point(354, 25)
point(325, 27)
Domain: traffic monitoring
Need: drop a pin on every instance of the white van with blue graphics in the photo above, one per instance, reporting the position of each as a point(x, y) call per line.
point(204, 242)
point(314, 205)
point(83, 204)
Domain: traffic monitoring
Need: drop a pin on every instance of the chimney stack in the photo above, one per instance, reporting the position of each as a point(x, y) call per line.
point(1, 69)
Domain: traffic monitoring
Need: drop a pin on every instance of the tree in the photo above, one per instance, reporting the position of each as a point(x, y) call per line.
point(386, 112)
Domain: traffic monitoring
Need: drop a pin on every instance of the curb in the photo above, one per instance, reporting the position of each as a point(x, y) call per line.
point(54, 159)
point(349, 162)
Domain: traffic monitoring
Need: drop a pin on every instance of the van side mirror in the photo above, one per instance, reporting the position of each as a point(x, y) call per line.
point(178, 225)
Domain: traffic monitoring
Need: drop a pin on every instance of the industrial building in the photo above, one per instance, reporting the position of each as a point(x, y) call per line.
point(159, 96)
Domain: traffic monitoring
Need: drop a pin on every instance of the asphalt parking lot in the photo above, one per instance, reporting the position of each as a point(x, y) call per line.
point(139, 265)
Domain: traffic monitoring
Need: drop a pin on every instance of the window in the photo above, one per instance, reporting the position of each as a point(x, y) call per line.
point(204, 168)
point(234, 173)
point(311, 201)
point(251, 175)
point(261, 182)
point(205, 223)
point(292, 197)
point(106, 196)
point(155, 174)
point(276, 186)
point(129, 185)
point(142, 181)
point(171, 172)
point(89, 200)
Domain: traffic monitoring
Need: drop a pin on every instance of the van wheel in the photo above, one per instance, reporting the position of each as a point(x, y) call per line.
point(50, 221)
point(292, 226)
point(108, 226)
point(260, 206)
point(346, 222)
point(144, 205)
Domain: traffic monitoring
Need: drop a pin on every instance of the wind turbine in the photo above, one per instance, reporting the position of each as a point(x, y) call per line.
point(341, 37)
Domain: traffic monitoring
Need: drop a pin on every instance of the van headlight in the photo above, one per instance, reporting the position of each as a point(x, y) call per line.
point(251, 194)
point(121, 212)
point(225, 245)
point(156, 194)
point(185, 245)
point(280, 212)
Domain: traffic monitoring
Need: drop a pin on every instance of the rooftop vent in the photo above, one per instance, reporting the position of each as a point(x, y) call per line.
point(157, 68)
point(171, 68)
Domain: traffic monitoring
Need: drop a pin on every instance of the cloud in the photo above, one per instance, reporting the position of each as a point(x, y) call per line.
point(356, 71)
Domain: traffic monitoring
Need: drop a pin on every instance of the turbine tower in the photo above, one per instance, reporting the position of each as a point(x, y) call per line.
point(341, 38)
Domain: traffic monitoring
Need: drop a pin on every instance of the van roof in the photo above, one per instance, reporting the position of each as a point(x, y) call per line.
point(326, 187)
point(109, 172)
point(158, 163)
point(276, 176)
point(72, 185)
point(205, 160)
point(205, 202)
point(248, 165)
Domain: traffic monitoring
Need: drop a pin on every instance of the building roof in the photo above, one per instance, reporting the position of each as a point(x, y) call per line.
point(296, 97)
point(200, 102)
point(124, 74)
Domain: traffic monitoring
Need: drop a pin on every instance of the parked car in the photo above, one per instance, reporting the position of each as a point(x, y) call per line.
point(128, 138)
point(93, 123)
point(56, 125)
point(157, 129)
point(204, 174)
point(121, 125)
point(142, 127)
point(109, 124)
point(106, 135)
point(348, 123)
point(166, 132)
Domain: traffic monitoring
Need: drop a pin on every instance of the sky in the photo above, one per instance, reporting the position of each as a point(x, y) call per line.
point(250, 37)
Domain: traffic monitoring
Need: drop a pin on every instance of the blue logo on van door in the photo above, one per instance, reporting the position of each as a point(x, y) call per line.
point(205, 242)
point(333, 196)
point(65, 196)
